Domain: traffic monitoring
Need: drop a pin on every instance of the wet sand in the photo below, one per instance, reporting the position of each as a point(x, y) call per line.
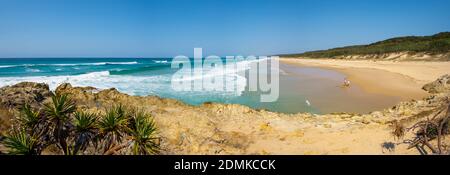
point(396, 79)
point(323, 91)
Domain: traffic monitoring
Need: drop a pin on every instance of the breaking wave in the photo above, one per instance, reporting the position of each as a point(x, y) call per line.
point(74, 64)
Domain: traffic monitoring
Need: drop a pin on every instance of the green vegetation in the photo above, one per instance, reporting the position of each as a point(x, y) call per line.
point(436, 44)
point(21, 143)
point(142, 128)
point(62, 127)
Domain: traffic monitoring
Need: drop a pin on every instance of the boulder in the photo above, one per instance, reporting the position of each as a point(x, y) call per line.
point(441, 85)
point(16, 96)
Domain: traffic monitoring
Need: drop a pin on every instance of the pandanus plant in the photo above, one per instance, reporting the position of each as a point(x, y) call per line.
point(112, 127)
point(20, 143)
point(85, 130)
point(75, 131)
point(140, 135)
point(28, 136)
point(142, 130)
point(59, 114)
point(29, 118)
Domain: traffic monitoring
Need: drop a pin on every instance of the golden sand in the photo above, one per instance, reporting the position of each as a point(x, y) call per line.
point(401, 79)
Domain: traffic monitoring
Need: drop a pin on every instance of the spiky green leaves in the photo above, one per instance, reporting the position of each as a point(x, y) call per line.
point(20, 143)
point(59, 113)
point(60, 108)
point(85, 130)
point(84, 122)
point(118, 131)
point(142, 129)
point(112, 126)
point(29, 118)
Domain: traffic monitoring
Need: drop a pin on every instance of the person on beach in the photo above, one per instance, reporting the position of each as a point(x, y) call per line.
point(346, 82)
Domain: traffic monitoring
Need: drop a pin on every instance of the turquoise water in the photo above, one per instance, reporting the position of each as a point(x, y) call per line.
point(302, 89)
point(133, 76)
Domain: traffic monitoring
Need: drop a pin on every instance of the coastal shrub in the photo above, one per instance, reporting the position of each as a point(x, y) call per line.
point(19, 142)
point(71, 131)
point(59, 114)
point(439, 46)
point(113, 126)
point(29, 118)
point(435, 44)
point(85, 130)
point(142, 129)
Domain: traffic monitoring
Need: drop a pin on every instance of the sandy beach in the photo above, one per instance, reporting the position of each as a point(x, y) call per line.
point(401, 79)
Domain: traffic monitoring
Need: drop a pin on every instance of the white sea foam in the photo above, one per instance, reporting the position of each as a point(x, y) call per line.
point(33, 70)
point(133, 85)
point(102, 80)
point(6, 66)
point(74, 64)
point(161, 61)
point(221, 71)
point(142, 85)
point(233, 77)
point(113, 63)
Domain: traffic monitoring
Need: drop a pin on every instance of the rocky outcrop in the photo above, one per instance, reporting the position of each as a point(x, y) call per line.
point(5, 120)
point(12, 98)
point(16, 96)
point(441, 85)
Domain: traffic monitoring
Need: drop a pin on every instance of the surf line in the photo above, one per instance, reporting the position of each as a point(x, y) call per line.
point(211, 74)
point(182, 165)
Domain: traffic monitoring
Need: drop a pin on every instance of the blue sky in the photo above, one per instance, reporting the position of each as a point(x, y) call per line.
point(165, 28)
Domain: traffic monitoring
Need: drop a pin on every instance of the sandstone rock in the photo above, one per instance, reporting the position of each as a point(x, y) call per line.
point(265, 127)
point(5, 119)
point(63, 87)
point(327, 125)
point(441, 85)
point(377, 114)
point(366, 121)
point(16, 96)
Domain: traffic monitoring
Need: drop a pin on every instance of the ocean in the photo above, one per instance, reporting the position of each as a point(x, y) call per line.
point(141, 77)
point(310, 90)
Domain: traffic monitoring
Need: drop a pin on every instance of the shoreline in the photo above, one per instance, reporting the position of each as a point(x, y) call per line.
point(366, 95)
point(214, 128)
point(399, 79)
